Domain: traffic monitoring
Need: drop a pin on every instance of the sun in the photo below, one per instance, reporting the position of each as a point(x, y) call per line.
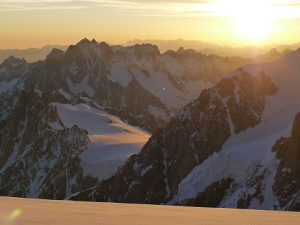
point(253, 17)
point(253, 27)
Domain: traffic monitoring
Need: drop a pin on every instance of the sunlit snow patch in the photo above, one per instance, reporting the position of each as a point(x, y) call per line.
point(112, 140)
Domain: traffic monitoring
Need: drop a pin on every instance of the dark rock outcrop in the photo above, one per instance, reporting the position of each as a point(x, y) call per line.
point(287, 179)
point(37, 160)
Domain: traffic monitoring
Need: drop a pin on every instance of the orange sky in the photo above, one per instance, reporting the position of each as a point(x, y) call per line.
point(32, 23)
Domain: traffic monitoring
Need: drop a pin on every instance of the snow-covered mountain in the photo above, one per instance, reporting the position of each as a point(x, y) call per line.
point(249, 51)
point(30, 54)
point(74, 111)
point(237, 145)
point(137, 83)
point(71, 120)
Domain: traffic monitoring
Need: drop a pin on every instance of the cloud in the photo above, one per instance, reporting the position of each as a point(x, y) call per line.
point(190, 8)
point(23, 5)
point(133, 7)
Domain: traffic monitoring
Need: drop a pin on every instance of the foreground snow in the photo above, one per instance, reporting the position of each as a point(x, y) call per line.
point(34, 211)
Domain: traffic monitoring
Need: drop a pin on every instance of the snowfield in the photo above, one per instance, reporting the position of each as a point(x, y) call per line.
point(44, 212)
point(112, 140)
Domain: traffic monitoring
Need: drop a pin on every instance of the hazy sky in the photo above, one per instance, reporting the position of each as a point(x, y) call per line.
point(32, 23)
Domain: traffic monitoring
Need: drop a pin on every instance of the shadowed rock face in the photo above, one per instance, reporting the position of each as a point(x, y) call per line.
point(12, 68)
point(37, 160)
point(287, 180)
point(245, 97)
point(196, 132)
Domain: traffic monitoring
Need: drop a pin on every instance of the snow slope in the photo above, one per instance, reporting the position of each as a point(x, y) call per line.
point(36, 211)
point(112, 140)
point(160, 85)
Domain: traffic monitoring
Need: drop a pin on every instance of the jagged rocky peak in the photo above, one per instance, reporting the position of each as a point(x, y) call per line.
point(286, 51)
point(273, 54)
point(12, 68)
point(190, 53)
point(94, 41)
point(11, 62)
point(106, 50)
point(84, 41)
point(55, 54)
point(245, 95)
point(86, 49)
point(171, 53)
point(241, 94)
point(145, 50)
point(287, 180)
point(193, 54)
point(74, 48)
point(274, 51)
point(180, 50)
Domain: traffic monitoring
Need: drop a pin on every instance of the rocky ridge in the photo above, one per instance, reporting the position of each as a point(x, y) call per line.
point(39, 156)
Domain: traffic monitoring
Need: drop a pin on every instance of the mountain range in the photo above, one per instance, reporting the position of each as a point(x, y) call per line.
point(236, 145)
point(129, 124)
point(31, 54)
point(250, 51)
point(91, 94)
point(137, 83)
point(35, 54)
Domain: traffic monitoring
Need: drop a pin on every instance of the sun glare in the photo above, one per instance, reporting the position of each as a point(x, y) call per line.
point(253, 17)
point(254, 28)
